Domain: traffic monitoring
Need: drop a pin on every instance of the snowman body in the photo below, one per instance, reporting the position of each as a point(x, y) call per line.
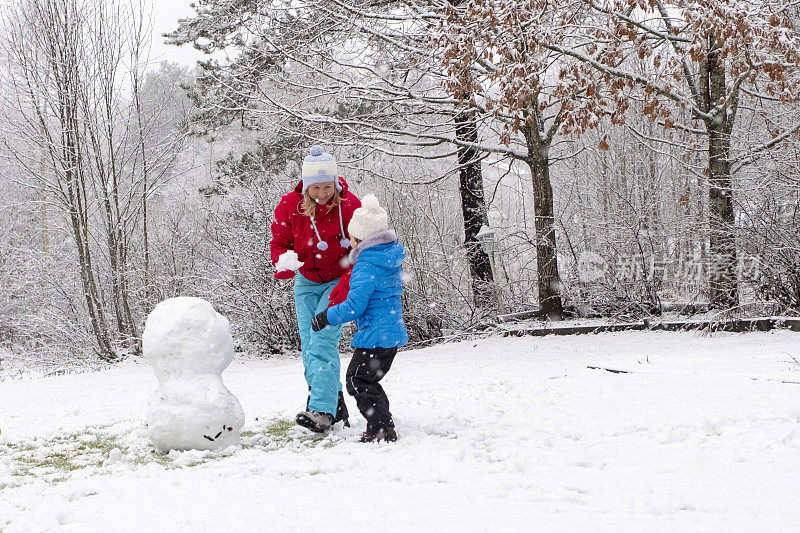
point(189, 344)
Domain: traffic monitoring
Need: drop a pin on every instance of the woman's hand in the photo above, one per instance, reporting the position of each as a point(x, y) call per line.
point(284, 274)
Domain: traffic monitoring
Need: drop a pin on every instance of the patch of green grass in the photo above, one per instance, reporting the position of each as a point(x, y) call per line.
point(163, 459)
point(51, 458)
point(281, 432)
point(150, 456)
point(101, 443)
point(14, 447)
point(55, 460)
point(281, 427)
point(59, 461)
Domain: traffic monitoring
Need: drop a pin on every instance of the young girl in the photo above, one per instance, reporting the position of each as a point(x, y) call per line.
point(311, 221)
point(374, 303)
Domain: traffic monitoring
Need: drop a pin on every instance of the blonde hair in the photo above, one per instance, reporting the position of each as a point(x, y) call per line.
point(309, 207)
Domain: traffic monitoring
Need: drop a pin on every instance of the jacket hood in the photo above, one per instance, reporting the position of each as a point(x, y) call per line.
point(342, 182)
point(380, 249)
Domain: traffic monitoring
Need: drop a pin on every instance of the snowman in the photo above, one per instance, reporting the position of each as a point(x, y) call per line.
point(189, 344)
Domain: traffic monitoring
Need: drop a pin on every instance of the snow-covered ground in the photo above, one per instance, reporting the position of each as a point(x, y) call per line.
point(498, 434)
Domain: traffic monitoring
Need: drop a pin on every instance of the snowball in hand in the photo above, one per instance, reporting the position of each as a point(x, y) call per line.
point(288, 261)
point(189, 344)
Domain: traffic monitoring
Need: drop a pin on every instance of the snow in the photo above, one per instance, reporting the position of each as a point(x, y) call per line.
point(288, 261)
point(189, 344)
point(702, 434)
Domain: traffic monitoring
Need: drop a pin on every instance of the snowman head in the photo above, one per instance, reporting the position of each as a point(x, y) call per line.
point(187, 336)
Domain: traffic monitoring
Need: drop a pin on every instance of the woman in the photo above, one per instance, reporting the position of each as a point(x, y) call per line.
point(311, 221)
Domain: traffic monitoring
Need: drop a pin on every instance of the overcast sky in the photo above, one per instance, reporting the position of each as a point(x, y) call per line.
point(165, 15)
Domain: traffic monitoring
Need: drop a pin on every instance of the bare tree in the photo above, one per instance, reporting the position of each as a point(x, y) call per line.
point(71, 90)
point(708, 57)
point(496, 63)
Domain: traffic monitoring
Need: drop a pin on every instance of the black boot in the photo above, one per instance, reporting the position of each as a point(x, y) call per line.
point(388, 435)
point(341, 410)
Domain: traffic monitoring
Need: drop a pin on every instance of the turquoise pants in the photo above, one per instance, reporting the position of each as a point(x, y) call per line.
point(321, 348)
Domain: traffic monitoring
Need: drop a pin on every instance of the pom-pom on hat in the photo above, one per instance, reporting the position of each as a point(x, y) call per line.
point(319, 167)
point(368, 219)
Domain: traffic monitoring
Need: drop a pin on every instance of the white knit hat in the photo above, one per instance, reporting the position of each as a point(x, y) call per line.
point(368, 219)
point(319, 167)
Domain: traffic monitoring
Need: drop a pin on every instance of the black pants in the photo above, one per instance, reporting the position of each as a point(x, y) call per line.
point(366, 369)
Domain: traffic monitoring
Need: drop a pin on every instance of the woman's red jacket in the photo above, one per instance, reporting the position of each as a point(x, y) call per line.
point(291, 230)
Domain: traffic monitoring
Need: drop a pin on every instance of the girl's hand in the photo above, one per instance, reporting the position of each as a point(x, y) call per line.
point(319, 321)
point(339, 292)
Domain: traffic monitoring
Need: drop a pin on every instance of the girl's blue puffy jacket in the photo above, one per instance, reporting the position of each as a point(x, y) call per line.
point(376, 284)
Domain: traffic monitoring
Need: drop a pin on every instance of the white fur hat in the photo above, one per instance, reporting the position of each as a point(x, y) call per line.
point(368, 219)
point(319, 167)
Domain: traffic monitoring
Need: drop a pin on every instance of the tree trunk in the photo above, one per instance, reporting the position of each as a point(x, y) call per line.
point(73, 179)
point(145, 185)
point(722, 281)
point(722, 265)
point(134, 339)
point(473, 208)
point(549, 282)
point(113, 254)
